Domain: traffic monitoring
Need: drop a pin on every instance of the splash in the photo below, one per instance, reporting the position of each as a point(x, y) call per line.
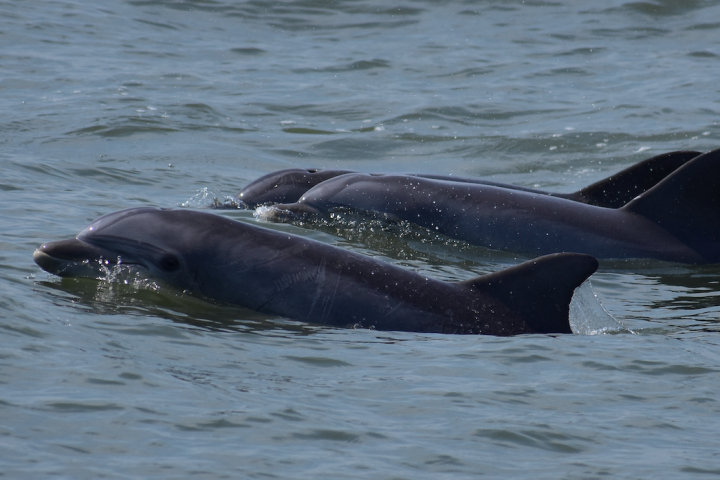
point(266, 213)
point(210, 198)
point(118, 280)
point(588, 316)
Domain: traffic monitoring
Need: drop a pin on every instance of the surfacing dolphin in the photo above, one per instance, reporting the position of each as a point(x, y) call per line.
point(677, 220)
point(287, 186)
point(305, 280)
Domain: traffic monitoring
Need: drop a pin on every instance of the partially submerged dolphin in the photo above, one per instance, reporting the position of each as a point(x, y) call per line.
point(677, 220)
point(287, 186)
point(302, 279)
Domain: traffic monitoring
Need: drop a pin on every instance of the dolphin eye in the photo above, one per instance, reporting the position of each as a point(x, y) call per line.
point(169, 263)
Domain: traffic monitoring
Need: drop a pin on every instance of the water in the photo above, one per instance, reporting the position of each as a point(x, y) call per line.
point(108, 105)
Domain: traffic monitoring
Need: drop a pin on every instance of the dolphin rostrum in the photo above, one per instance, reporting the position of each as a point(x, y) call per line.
point(302, 279)
point(677, 220)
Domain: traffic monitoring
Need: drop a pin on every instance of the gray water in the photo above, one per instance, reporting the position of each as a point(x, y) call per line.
point(108, 105)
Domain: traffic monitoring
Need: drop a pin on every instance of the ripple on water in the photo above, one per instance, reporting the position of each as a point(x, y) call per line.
point(147, 102)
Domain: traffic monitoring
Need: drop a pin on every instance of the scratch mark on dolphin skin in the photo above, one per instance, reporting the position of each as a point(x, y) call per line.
point(319, 282)
point(289, 280)
point(329, 299)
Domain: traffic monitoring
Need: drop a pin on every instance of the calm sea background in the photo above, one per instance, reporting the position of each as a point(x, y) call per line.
point(114, 104)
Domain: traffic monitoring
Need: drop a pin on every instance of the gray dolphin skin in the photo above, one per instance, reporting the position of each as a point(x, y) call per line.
point(305, 280)
point(677, 220)
point(287, 186)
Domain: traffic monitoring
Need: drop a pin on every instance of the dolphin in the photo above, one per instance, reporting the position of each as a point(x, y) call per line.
point(677, 220)
point(295, 277)
point(287, 186)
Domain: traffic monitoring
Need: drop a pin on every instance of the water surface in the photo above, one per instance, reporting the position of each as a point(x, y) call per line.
point(109, 105)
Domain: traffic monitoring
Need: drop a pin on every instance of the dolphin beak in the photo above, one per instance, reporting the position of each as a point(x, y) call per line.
point(72, 258)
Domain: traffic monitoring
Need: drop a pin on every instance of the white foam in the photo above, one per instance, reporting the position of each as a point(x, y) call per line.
point(588, 316)
point(210, 198)
point(266, 213)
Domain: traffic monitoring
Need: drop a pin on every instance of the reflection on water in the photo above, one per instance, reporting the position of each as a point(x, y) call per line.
point(118, 298)
point(696, 290)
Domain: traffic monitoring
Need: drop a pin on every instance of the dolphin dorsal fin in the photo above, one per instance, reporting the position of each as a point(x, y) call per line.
point(620, 188)
point(539, 290)
point(687, 204)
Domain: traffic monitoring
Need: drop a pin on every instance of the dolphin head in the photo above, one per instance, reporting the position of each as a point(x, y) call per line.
point(142, 238)
point(284, 186)
point(202, 253)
